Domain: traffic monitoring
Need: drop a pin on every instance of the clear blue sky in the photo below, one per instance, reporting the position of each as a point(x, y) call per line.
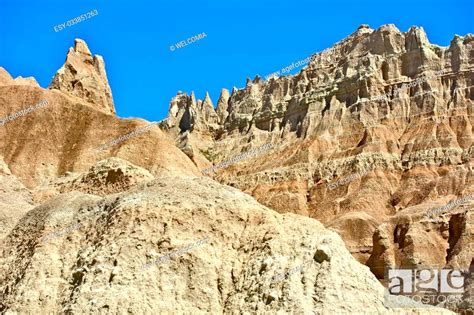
point(244, 38)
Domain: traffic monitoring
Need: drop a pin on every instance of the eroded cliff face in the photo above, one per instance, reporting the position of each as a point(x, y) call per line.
point(376, 126)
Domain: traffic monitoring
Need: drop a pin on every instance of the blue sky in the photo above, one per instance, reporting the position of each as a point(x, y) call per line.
point(244, 38)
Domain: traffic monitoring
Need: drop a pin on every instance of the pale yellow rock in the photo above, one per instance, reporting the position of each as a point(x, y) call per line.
point(223, 243)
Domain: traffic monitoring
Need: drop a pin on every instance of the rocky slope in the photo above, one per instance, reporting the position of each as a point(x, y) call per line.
point(15, 200)
point(149, 250)
point(374, 132)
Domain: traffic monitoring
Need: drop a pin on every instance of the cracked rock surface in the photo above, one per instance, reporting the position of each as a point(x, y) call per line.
point(252, 260)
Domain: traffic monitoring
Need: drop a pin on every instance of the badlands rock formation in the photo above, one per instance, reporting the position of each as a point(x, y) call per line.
point(84, 76)
point(83, 253)
point(372, 134)
point(68, 136)
point(106, 215)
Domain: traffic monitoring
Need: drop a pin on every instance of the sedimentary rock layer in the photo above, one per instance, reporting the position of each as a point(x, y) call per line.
point(378, 125)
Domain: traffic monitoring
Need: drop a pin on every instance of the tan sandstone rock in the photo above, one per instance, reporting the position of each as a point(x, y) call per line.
point(84, 76)
point(224, 253)
point(378, 124)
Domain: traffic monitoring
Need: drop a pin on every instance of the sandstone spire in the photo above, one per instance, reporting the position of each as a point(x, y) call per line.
point(459, 49)
point(192, 100)
point(373, 165)
point(208, 110)
point(248, 82)
point(183, 111)
point(207, 101)
point(222, 104)
point(415, 38)
point(84, 76)
point(387, 39)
